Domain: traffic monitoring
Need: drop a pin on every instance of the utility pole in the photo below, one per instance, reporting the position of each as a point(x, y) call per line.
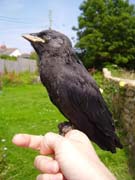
point(50, 19)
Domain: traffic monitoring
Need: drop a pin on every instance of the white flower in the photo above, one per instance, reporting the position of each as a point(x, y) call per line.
point(122, 83)
point(3, 140)
point(101, 90)
point(4, 155)
point(5, 148)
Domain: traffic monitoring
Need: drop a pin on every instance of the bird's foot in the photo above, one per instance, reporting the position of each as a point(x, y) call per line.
point(65, 127)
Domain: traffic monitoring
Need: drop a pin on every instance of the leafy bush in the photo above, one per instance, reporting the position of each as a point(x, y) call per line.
point(114, 94)
point(110, 92)
point(13, 79)
point(6, 57)
point(33, 55)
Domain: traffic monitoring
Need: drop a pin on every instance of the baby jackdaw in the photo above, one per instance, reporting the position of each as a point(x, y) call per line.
point(72, 89)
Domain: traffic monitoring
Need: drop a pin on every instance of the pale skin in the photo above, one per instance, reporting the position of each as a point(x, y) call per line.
point(72, 157)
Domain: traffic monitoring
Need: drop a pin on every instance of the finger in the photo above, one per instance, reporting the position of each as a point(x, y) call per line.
point(46, 164)
point(58, 176)
point(46, 144)
point(25, 140)
point(50, 143)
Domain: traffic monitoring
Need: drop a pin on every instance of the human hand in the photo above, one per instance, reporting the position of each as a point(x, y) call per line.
point(73, 156)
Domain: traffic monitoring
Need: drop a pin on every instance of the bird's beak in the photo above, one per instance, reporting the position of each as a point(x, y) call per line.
point(33, 38)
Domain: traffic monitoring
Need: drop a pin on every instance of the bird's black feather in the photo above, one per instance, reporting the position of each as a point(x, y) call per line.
point(73, 91)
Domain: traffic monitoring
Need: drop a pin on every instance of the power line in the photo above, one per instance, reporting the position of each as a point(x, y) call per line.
point(13, 20)
point(18, 22)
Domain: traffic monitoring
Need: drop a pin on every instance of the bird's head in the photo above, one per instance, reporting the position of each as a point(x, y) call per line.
point(48, 40)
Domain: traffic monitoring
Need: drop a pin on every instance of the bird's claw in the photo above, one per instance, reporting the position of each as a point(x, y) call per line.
point(65, 127)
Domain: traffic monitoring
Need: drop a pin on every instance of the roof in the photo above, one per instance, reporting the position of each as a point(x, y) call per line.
point(7, 51)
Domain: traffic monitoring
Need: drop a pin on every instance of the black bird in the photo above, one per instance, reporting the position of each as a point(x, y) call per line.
point(72, 89)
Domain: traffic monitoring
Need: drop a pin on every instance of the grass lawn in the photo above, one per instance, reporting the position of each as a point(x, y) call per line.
point(27, 109)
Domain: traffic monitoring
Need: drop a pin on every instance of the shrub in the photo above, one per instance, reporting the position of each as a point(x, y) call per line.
point(13, 79)
point(33, 56)
point(6, 57)
point(110, 93)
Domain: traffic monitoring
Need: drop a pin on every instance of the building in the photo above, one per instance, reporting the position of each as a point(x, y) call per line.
point(9, 51)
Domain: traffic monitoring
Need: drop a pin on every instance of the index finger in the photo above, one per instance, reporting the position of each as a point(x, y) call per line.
point(29, 141)
point(46, 144)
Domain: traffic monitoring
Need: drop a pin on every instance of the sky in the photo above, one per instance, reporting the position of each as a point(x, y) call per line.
point(18, 17)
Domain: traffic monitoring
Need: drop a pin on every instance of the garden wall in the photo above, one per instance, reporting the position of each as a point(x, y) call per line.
point(21, 65)
point(125, 106)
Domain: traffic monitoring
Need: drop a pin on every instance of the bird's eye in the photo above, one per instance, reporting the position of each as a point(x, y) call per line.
point(47, 38)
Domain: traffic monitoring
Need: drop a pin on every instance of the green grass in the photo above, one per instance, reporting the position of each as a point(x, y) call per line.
point(24, 109)
point(27, 109)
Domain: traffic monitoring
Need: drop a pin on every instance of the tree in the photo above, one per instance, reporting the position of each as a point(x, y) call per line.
point(33, 55)
point(106, 33)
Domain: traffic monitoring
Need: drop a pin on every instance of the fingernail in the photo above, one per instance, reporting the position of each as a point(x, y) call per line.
point(16, 139)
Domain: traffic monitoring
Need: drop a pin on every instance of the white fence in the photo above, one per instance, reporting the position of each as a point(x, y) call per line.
point(21, 65)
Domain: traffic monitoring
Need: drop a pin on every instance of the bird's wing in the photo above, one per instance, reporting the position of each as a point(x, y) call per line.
point(85, 97)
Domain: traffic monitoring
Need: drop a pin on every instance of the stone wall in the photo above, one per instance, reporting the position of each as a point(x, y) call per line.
point(21, 65)
point(125, 107)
